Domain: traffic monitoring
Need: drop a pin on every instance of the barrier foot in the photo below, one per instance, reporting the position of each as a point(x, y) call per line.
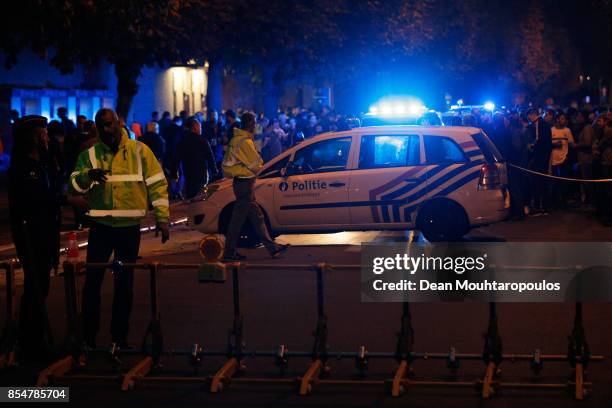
point(579, 383)
point(57, 369)
point(487, 389)
point(141, 369)
point(311, 376)
point(224, 374)
point(397, 387)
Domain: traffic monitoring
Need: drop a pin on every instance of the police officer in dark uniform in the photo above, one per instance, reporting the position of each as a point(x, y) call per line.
point(34, 206)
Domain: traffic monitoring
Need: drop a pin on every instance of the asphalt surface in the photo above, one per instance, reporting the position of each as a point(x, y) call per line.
point(279, 307)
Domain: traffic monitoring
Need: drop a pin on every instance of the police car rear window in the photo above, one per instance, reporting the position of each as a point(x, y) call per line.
point(487, 147)
point(381, 151)
point(439, 149)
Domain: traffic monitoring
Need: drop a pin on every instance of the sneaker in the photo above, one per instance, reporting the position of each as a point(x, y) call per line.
point(279, 250)
point(235, 257)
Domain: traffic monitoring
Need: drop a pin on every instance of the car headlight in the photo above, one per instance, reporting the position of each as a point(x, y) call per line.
point(206, 193)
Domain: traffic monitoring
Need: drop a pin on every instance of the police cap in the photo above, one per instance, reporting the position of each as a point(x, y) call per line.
point(28, 123)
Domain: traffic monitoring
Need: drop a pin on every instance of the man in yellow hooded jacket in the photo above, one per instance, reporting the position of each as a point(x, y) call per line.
point(242, 162)
point(119, 178)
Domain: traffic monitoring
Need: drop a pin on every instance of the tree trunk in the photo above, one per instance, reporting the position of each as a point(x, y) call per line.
point(214, 92)
point(127, 86)
point(270, 90)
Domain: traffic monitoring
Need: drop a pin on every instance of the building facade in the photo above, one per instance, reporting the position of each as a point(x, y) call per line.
point(32, 86)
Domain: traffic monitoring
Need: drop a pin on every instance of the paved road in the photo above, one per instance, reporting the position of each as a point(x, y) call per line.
point(279, 307)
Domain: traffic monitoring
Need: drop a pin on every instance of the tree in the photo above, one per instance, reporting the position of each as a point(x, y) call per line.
point(275, 41)
point(128, 34)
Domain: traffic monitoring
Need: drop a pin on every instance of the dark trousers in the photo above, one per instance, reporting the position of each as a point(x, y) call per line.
point(519, 192)
point(605, 199)
point(36, 258)
point(586, 172)
point(540, 186)
point(194, 186)
point(245, 208)
point(103, 241)
point(559, 188)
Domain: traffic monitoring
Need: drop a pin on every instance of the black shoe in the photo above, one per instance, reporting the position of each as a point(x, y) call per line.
point(279, 250)
point(235, 257)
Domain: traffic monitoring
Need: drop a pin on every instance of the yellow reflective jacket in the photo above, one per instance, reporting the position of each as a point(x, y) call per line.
point(241, 159)
point(134, 178)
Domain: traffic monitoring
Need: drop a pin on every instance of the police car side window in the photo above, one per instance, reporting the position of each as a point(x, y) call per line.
point(380, 151)
point(275, 169)
point(440, 149)
point(326, 155)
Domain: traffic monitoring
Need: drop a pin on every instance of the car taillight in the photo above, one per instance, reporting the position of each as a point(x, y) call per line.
point(489, 177)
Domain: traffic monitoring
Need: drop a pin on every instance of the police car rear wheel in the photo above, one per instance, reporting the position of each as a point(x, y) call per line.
point(442, 220)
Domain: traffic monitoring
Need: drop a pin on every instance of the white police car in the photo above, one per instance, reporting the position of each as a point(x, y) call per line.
point(440, 180)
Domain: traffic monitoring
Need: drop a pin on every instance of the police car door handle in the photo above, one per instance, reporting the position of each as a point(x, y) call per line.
point(411, 181)
point(337, 184)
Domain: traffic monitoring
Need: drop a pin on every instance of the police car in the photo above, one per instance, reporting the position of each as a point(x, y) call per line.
point(441, 180)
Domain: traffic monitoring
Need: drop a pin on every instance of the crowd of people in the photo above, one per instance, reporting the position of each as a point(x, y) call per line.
point(97, 167)
point(567, 142)
point(563, 143)
point(191, 148)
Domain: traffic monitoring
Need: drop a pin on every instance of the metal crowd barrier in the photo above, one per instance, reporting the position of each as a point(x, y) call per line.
point(318, 371)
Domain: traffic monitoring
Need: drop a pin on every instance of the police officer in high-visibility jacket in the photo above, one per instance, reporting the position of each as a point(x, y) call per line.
point(242, 162)
point(120, 177)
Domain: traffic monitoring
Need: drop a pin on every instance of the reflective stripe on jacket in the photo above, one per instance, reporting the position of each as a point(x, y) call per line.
point(241, 159)
point(134, 177)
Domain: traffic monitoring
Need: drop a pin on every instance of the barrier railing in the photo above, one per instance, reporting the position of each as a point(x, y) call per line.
point(317, 373)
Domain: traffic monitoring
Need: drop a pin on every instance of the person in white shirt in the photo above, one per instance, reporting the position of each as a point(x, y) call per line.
point(562, 139)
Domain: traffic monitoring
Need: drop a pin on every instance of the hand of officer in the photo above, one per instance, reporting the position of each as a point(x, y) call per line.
point(98, 175)
point(165, 231)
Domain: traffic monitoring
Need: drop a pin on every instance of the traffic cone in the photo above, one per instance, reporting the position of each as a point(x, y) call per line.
point(73, 248)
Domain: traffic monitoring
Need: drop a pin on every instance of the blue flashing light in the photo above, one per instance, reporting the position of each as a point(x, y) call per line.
point(490, 106)
point(399, 109)
point(415, 108)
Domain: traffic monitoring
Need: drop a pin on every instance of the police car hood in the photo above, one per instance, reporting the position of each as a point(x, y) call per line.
point(221, 184)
